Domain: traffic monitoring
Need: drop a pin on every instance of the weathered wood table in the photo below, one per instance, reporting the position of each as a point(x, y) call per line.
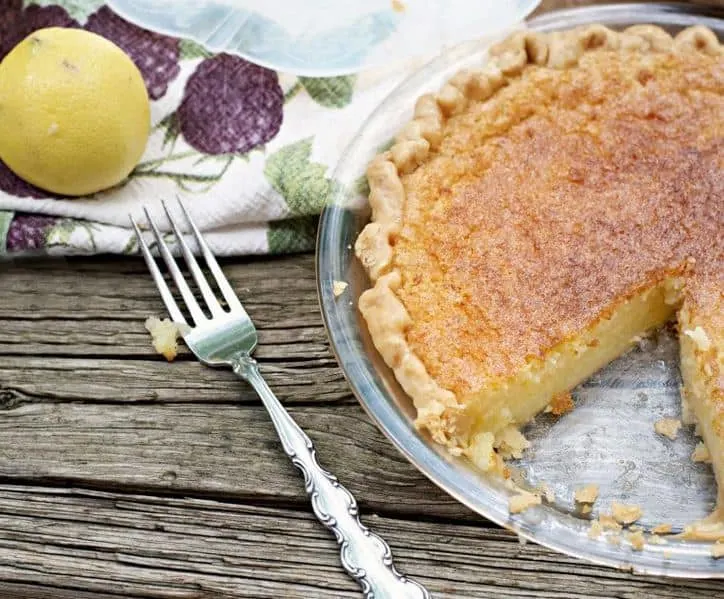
point(124, 476)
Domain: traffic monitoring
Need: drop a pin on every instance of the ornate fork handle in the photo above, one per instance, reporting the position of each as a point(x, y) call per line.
point(365, 556)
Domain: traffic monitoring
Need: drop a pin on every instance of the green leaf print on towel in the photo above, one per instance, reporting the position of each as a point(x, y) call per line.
point(6, 218)
point(190, 49)
point(292, 235)
point(331, 92)
point(301, 183)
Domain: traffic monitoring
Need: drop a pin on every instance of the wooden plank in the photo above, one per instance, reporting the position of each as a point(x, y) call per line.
point(37, 378)
point(278, 293)
point(140, 546)
point(49, 308)
point(124, 338)
point(220, 450)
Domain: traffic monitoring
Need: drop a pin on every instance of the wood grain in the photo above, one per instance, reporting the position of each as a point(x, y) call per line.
point(143, 546)
point(219, 450)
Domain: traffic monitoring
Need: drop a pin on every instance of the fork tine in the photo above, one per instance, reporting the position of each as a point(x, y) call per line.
point(166, 295)
point(196, 314)
point(194, 267)
point(221, 280)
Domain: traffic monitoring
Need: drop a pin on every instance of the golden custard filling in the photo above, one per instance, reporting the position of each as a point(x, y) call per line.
point(540, 214)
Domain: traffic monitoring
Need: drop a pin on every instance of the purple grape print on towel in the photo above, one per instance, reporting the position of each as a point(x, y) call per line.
point(155, 55)
point(230, 106)
point(16, 23)
point(28, 232)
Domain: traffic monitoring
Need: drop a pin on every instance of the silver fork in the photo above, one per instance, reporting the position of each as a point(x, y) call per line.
point(228, 338)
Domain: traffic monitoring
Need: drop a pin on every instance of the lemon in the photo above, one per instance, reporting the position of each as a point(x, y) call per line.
point(74, 112)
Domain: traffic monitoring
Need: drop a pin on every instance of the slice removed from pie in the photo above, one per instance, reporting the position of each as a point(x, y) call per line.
point(540, 214)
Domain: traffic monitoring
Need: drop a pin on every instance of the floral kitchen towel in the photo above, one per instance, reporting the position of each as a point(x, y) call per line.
point(250, 151)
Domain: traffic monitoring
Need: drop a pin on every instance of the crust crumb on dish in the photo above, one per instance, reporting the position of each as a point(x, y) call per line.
point(717, 550)
point(637, 540)
point(595, 530)
point(625, 514)
point(545, 490)
point(655, 539)
point(523, 501)
point(481, 451)
point(164, 335)
point(338, 288)
point(586, 495)
point(561, 404)
point(668, 427)
point(398, 6)
point(701, 453)
point(511, 443)
point(608, 522)
point(662, 529)
point(709, 529)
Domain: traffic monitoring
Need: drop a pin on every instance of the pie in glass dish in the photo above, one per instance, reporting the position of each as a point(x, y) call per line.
point(540, 215)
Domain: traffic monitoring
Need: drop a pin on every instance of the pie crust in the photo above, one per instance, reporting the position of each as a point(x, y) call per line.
point(494, 100)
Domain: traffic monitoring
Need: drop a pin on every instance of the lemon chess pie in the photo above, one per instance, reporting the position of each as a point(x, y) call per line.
point(539, 215)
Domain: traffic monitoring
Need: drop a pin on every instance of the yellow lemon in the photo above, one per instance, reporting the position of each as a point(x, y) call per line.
point(74, 112)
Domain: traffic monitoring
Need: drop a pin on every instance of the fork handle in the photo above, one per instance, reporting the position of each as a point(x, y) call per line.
point(365, 555)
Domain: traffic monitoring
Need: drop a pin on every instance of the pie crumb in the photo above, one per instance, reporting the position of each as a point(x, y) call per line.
point(596, 530)
point(637, 540)
point(717, 550)
point(398, 6)
point(662, 529)
point(586, 508)
point(608, 523)
point(625, 514)
point(523, 501)
point(547, 492)
point(701, 453)
point(164, 334)
point(655, 539)
point(511, 443)
point(481, 451)
point(668, 427)
point(562, 404)
point(338, 288)
point(587, 494)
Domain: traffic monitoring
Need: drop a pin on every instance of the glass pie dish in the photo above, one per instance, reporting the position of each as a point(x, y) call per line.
point(609, 438)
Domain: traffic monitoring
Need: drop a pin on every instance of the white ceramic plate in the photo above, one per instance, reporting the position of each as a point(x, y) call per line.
point(608, 439)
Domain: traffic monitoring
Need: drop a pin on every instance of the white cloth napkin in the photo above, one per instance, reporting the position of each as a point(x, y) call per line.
point(250, 152)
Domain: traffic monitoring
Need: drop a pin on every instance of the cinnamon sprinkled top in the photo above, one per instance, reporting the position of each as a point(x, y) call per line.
point(566, 192)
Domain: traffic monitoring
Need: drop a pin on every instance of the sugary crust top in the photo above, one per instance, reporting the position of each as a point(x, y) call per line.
point(527, 198)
